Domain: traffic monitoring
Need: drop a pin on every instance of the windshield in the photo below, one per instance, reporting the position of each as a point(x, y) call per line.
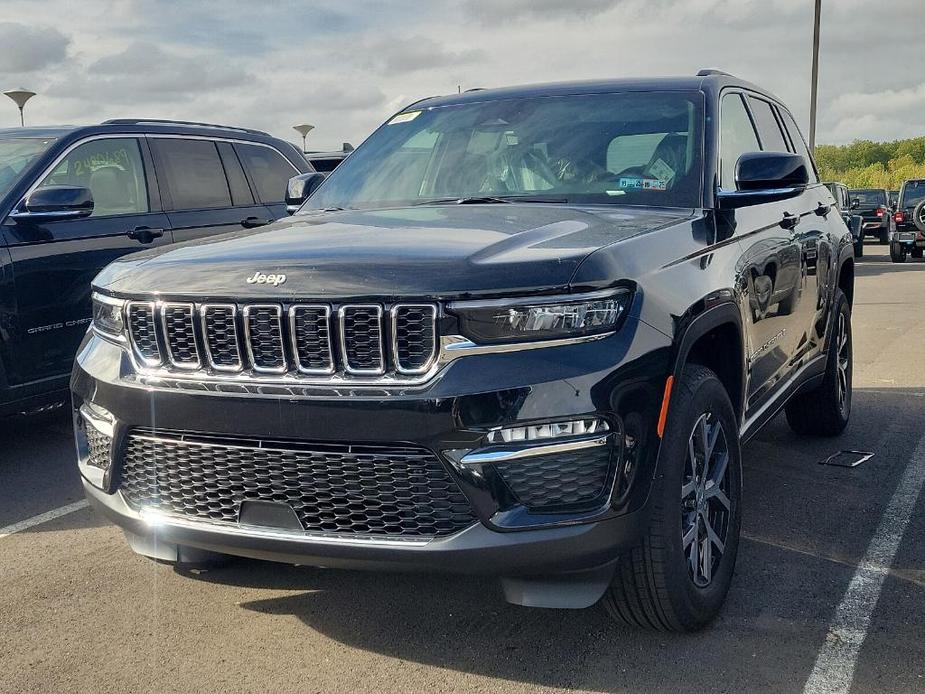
point(870, 198)
point(913, 193)
point(635, 148)
point(15, 155)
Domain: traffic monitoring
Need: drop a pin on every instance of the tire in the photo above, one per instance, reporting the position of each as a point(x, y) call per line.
point(825, 410)
point(656, 586)
point(916, 253)
point(859, 249)
point(897, 252)
point(885, 236)
point(917, 216)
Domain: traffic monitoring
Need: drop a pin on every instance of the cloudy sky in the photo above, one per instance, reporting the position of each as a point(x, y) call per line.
point(347, 65)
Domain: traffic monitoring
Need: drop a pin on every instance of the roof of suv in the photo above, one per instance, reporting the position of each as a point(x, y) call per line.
point(140, 125)
point(711, 81)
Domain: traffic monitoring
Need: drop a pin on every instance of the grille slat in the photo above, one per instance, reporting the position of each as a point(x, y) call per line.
point(397, 491)
point(220, 334)
point(310, 327)
point(143, 332)
point(361, 339)
point(414, 337)
point(265, 338)
point(180, 335)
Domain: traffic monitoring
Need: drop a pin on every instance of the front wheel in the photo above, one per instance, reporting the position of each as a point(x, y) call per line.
point(897, 252)
point(824, 411)
point(916, 253)
point(677, 578)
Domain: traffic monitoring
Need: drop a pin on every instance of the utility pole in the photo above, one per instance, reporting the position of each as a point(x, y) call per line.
point(812, 98)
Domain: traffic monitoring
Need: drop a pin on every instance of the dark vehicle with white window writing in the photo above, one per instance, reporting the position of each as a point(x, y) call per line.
point(73, 200)
point(519, 332)
point(909, 237)
point(873, 204)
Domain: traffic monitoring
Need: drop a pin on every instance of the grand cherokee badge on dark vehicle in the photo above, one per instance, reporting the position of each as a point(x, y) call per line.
point(523, 332)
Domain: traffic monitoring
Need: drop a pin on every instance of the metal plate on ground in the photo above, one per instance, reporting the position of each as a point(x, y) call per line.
point(847, 458)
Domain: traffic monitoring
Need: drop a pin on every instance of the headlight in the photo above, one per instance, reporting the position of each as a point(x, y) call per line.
point(108, 315)
point(516, 321)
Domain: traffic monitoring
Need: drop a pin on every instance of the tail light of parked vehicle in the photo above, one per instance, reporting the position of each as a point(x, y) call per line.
point(899, 217)
point(880, 211)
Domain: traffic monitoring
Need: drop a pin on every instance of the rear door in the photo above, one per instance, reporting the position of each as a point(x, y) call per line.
point(54, 262)
point(204, 187)
point(269, 173)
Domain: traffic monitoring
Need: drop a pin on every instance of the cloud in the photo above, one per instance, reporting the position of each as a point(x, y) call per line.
point(414, 54)
point(29, 49)
point(492, 10)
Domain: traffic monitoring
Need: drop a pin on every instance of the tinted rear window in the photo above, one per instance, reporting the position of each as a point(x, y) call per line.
point(869, 197)
point(913, 193)
point(268, 169)
point(194, 173)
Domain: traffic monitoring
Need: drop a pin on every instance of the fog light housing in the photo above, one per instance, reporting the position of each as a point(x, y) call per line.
point(94, 432)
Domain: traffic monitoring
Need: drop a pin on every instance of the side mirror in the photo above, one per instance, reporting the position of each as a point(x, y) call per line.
point(56, 202)
point(765, 177)
point(300, 188)
point(855, 203)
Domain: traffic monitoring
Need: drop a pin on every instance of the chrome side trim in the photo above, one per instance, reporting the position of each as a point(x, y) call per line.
point(500, 455)
point(163, 307)
point(278, 310)
point(779, 400)
point(435, 347)
point(341, 315)
point(295, 345)
point(203, 315)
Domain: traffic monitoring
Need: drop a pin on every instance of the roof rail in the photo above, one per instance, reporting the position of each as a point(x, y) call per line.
point(706, 72)
point(170, 121)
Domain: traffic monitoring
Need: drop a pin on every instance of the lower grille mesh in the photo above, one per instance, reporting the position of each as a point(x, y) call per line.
point(358, 490)
point(566, 479)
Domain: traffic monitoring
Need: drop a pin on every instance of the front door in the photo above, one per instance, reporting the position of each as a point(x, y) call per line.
point(54, 262)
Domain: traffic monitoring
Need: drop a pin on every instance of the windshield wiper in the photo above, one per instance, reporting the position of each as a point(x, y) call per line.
point(494, 199)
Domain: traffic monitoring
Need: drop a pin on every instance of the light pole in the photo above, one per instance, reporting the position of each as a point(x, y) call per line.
point(304, 129)
point(812, 96)
point(20, 96)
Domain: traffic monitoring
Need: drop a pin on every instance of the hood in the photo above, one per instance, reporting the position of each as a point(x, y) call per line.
point(436, 252)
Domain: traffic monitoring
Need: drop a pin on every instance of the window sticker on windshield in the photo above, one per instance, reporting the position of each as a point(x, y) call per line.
point(405, 117)
point(643, 184)
point(660, 170)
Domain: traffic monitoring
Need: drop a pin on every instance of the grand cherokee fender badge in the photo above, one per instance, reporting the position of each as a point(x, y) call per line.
point(261, 278)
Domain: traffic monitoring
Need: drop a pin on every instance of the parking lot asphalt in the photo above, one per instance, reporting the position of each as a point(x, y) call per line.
point(817, 601)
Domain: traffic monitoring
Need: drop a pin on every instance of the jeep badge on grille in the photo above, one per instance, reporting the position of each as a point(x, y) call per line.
point(261, 278)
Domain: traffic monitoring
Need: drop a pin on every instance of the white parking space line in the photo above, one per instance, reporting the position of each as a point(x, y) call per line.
point(837, 659)
point(42, 518)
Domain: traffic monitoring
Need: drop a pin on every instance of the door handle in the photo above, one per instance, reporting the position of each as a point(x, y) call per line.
point(790, 221)
point(822, 209)
point(252, 222)
point(144, 234)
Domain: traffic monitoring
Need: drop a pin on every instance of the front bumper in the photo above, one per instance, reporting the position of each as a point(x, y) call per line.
point(618, 379)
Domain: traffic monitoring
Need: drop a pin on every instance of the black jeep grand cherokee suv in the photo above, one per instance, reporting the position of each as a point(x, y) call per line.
point(519, 331)
point(73, 199)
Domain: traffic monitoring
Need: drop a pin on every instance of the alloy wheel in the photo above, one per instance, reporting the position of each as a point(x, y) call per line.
point(843, 363)
point(705, 505)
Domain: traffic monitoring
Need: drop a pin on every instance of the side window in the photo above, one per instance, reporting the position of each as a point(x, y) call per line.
point(193, 171)
point(112, 169)
point(269, 170)
point(737, 137)
point(772, 139)
point(237, 181)
point(799, 144)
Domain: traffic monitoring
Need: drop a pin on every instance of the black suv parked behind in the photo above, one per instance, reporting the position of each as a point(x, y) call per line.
point(74, 199)
point(909, 237)
point(873, 204)
point(518, 331)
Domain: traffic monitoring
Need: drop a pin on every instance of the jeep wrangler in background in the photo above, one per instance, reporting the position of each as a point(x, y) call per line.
point(74, 199)
point(873, 204)
point(522, 332)
point(909, 218)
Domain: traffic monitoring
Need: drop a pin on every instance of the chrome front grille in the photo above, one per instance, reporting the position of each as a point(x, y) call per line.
point(304, 341)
